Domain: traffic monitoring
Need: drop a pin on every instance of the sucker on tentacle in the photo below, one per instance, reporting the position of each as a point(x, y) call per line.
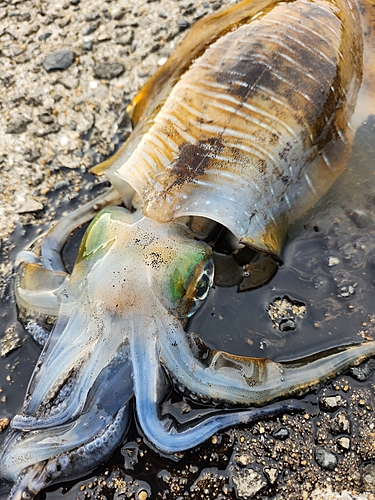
point(64, 466)
point(244, 128)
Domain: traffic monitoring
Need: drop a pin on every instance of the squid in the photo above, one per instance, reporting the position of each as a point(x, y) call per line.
point(243, 129)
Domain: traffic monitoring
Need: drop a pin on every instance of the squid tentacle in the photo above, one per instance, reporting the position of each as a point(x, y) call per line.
point(72, 463)
point(161, 432)
point(73, 447)
point(39, 289)
point(222, 377)
point(40, 279)
point(82, 375)
point(50, 245)
point(57, 236)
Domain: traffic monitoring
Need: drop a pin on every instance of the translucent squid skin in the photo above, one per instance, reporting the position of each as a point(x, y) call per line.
point(247, 125)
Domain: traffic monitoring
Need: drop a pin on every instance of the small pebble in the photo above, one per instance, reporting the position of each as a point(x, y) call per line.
point(64, 22)
point(243, 459)
point(53, 128)
point(332, 403)
point(92, 17)
point(17, 125)
point(247, 482)
point(325, 458)
point(343, 442)
point(341, 424)
point(69, 82)
point(363, 372)
point(46, 118)
point(59, 59)
point(271, 474)
point(31, 155)
point(107, 71)
point(368, 477)
point(10, 341)
point(44, 36)
point(333, 261)
point(287, 325)
point(60, 185)
point(92, 28)
point(182, 24)
point(4, 422)
point(281, 434)
point(30, 206)
point(119, 15)
point(104, 37)
point(126, 37)
point(87, 45)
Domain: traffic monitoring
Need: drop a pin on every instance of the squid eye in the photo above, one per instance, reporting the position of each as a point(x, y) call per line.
point(205, 280)
point(203, 286)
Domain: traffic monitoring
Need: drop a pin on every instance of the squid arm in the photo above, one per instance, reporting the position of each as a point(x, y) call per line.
point(36, 459)
point(151, 385)
point(40, 278)
point(223, 377)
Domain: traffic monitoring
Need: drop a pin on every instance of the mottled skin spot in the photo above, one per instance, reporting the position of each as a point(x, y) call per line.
point(193, 159)
point(283, 154)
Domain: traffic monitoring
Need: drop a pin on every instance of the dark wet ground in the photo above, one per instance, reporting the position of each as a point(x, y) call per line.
point(326, 284)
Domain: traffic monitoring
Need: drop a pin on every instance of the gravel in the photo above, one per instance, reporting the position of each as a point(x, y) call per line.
point(108, 71)
point(52, 64)
point(325, 458)
point(332, 403)
point(59, 59)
